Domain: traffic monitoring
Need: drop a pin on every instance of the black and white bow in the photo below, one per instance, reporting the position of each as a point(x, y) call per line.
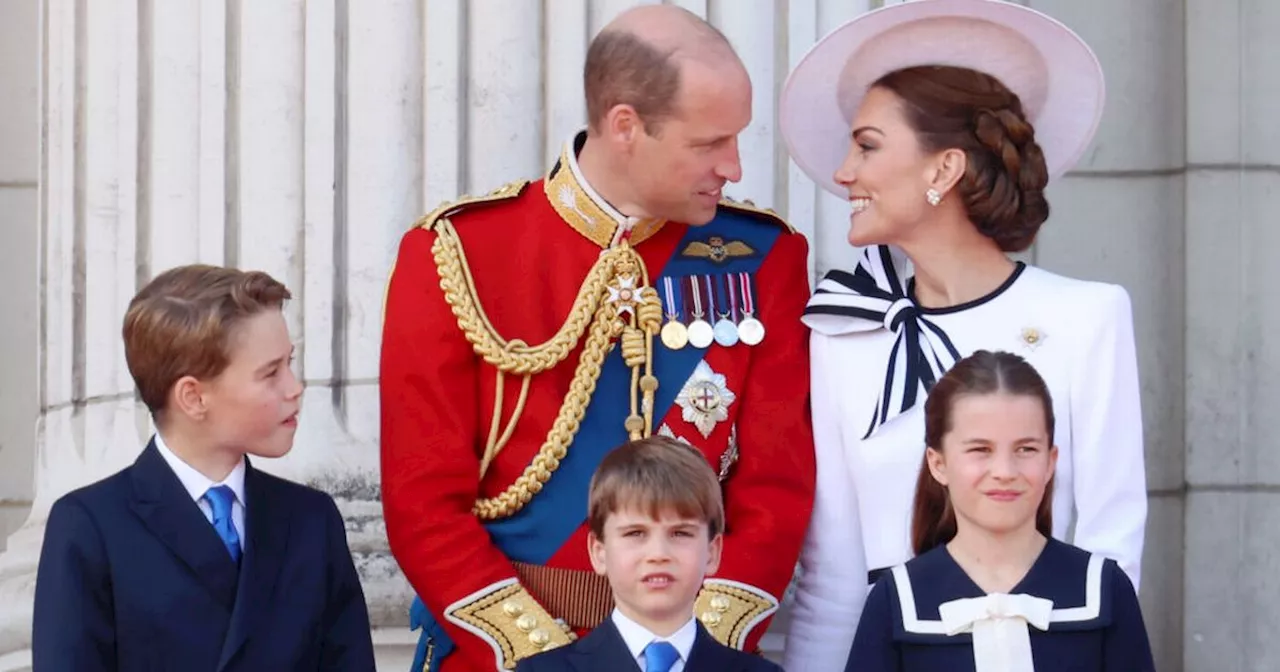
point(874, 297)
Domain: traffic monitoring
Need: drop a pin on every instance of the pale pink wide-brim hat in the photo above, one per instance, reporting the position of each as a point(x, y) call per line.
point(1054, 73)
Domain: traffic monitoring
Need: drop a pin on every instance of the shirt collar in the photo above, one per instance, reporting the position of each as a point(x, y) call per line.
point(196, 483)
point(579, 205)
point(637, 636)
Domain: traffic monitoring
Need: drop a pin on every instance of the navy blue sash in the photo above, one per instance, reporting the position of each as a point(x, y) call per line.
point(543, 526)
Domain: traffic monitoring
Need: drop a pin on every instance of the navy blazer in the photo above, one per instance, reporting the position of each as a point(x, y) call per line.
point(133, 577)
point(604, 649)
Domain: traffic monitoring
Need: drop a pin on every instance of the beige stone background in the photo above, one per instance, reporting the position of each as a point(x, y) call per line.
point(301, 136)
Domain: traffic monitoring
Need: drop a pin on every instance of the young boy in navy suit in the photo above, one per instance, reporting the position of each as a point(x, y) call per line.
point(656, 518)
point(191, 559)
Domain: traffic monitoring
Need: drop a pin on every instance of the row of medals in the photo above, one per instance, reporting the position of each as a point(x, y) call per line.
point(701, 334)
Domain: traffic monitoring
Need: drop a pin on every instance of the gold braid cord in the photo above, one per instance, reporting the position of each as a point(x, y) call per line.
point(614, 301)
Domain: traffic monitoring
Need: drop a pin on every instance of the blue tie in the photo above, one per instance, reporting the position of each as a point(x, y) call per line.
point(220, 499)
point(660, 656)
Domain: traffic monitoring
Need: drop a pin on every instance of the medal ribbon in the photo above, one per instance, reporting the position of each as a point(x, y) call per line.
point(748, 301)
point(674, 310)
point(733, 298)
point(711, 299)
point(696, 296)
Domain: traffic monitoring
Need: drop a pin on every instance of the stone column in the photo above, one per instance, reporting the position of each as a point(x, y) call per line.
point(1116, 218)
point(1233, 317)
point(19, 65)
point(217, 131)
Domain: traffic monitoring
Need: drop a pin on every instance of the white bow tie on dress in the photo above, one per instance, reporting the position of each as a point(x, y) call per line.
point(1001, 642)
point(873, 297)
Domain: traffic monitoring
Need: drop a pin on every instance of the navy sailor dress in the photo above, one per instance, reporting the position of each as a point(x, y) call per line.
point(1074, 611)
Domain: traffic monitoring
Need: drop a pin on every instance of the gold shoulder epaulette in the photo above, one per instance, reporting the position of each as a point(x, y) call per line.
point(506, 191)
point(511, 621)
point(729, 610)
point(753, 209)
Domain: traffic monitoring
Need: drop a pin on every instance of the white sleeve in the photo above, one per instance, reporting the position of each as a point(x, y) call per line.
point(833, 580)
point(1106, 440)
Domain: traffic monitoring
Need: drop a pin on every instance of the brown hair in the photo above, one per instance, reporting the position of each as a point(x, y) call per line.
point(933, 521)
point(656, 475)
point(181, 324)
point(958, 108)
point(623, 68)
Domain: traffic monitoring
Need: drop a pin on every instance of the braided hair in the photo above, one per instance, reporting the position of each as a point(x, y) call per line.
point(957, 108)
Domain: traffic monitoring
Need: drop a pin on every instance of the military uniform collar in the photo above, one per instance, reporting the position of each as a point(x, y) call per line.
point(584, 210)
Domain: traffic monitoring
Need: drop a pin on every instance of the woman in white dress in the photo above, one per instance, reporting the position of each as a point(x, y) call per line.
point(955, 115)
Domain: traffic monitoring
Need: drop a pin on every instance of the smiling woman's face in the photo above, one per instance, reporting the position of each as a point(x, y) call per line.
point(886, 172)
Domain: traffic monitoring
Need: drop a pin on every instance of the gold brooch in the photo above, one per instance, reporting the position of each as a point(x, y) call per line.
point(1033, 337)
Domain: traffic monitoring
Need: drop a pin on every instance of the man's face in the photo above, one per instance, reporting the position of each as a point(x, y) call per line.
point(678, 170)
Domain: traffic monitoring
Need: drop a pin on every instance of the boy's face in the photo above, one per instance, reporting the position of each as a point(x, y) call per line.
point(253, 404)
point(655, 567)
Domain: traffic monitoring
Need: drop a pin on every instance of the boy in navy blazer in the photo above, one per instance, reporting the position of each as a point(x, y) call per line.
point(655, 517)
point(191, 559)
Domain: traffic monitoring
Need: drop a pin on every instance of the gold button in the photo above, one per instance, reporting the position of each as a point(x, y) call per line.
point(512, 609)
point(540, 637)
point(526, 623)
point(710, 619)
point(720, 603)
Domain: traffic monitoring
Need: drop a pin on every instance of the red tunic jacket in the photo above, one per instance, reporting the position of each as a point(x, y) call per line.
point(528, 249)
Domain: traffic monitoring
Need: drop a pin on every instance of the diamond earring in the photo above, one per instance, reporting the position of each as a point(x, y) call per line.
point(933, 197)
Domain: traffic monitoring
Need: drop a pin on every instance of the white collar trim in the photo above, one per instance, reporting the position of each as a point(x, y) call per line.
point(912, 622)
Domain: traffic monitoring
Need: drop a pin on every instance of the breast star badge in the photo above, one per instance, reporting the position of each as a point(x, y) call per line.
point(705, 399)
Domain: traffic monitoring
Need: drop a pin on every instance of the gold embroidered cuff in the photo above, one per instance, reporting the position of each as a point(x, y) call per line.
point(507, 617)
point(729, 610)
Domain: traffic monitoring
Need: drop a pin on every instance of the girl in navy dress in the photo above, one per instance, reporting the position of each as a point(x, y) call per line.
point(990, 589)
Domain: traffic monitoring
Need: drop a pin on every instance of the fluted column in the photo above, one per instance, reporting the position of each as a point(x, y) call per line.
point(216, 131)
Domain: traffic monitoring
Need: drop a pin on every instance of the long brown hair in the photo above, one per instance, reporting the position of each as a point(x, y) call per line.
point(933, 521)
point(1005, 176)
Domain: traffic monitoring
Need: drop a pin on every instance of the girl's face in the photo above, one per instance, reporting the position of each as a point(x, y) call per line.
point(996, 461)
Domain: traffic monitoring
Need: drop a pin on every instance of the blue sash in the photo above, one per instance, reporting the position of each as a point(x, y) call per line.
point(542, 527)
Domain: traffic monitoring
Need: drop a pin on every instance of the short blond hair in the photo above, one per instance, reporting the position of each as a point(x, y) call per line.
point(656, 475)
point(181, 324)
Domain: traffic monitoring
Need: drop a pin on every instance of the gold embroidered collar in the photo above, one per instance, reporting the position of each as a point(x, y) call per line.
point(584, 210)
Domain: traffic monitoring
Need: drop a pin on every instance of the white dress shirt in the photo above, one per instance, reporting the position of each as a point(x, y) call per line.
point(197, 484)
point(637, 637)
point(1079, 337)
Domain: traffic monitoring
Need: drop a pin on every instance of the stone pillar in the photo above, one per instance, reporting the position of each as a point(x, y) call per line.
point(1232, 465)
point(19, 67)
point(1116, 218)
point(216, 131)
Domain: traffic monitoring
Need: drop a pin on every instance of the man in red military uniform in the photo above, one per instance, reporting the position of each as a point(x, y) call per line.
point(531, 330)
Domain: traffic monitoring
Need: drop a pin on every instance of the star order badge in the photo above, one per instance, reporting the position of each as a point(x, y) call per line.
point(705, 399)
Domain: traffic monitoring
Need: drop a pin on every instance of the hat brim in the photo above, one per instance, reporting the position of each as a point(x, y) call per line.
point(1055, 74)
